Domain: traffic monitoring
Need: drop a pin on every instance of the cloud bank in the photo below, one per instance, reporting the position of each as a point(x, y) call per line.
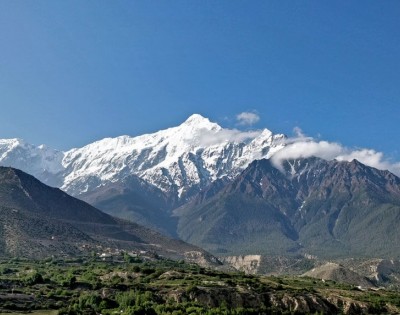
point(304, 147)
point(247, 118)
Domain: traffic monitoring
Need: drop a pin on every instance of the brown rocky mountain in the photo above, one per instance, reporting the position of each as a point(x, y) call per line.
point(38, 221)
point(310, 206)
point(136, 200)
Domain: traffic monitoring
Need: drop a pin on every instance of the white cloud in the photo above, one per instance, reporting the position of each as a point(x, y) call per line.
point(298, 132)
point(372, 158)
point(300, 136)
point(247, 118)
point(304, 147)
point(298, 146)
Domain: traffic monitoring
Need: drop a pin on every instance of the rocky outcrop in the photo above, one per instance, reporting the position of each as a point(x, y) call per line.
point(299, 303)
point(247, 263)
point(305, 304)
point(339, 273)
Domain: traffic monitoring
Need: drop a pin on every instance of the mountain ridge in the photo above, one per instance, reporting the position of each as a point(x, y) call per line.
point(38, 221)
point(327, 209)
point(181, 160)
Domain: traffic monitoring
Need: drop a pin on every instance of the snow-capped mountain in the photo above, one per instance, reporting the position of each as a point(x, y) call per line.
point(180, 160)
point(40, 161)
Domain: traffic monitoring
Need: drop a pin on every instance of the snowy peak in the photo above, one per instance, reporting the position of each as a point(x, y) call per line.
point(7, 145)
point(198, 121)
point(179, 160)
point(40, 161)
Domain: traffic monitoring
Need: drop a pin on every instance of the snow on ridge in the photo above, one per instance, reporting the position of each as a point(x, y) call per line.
point(189, 155)
point(40, 161)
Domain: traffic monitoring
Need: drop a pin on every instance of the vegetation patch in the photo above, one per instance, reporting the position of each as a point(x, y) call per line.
point(121, 286)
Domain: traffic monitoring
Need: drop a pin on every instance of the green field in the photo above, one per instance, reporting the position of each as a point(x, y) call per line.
point(129, 285)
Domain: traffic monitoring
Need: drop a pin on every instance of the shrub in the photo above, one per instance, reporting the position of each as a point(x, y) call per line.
point(32, 278)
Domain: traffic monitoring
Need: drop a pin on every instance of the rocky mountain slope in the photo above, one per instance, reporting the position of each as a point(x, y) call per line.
point(38, 221)
point(336, 272)
point(133, 199)
point(313, 206)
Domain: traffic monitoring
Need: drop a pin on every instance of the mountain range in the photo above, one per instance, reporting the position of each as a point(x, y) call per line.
point(219, 189)
point(179, 161)
point(143, 178)
point(325, 208)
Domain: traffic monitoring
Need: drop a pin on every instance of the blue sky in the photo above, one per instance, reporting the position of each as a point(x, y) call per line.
point(72, 72)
